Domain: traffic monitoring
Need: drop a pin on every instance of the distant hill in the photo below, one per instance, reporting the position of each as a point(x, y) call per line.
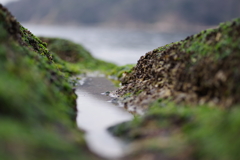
point(90, 12)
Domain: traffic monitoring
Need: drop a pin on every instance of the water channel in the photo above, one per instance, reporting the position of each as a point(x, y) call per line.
point(96, 114)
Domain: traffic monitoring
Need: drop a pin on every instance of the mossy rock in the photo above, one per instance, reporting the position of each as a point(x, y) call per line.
point(67, 50)
point(190, 95)
point(37, 101)
point(203, 68)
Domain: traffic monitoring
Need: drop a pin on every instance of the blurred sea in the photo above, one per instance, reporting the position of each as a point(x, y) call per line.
point(119, 46)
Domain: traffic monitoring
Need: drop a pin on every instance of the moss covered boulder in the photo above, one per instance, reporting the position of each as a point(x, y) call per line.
point(203, 68)
point(67, 50)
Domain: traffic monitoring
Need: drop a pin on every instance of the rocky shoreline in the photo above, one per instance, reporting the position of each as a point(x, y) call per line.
point(37, 98)
point(198, 70)
point(188, 90)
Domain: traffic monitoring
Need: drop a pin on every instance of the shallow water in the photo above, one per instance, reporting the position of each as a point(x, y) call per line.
point(96, 115)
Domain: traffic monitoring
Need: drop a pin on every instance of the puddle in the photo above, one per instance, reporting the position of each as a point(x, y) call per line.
point(96, 115)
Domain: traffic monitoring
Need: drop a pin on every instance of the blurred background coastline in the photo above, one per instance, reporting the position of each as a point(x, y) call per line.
point(113, 30)
point(160, 15)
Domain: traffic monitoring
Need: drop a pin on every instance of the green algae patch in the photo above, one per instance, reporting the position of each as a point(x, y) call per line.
point(116, 74)
point(183, 132)
point(189, 91)
point(76, 58)
point(67, 50)
point(121, 71)
point(37, 102)
point(203, 68)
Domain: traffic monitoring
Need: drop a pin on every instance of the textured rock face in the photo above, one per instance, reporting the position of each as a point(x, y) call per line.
point(189, 91)
point(200, 69)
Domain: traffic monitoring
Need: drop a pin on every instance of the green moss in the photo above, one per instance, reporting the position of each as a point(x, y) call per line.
point(76, 58)
point(210, 132)
point(164, 48)
point(203, 65)
point(119, 71)
point(128, 130)
point(37, 101)
point(72, 58)
point(218, 42)
point(191, 92)
point(67, 50)
point(200, 132)
point(35, 111)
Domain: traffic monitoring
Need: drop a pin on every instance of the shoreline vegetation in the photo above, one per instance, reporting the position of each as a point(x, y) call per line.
point(189, 91)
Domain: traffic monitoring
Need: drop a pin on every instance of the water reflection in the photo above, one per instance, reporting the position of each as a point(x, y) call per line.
point(95, 115)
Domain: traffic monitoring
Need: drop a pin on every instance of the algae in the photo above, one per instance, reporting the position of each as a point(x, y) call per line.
point(76, 58)
point(189, 91)
point(37, 100)
point(200, 69)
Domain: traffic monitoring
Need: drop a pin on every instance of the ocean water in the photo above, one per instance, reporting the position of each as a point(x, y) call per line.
point(120, 46)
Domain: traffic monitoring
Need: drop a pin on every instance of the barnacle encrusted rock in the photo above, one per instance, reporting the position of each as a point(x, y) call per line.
point(203, 68)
